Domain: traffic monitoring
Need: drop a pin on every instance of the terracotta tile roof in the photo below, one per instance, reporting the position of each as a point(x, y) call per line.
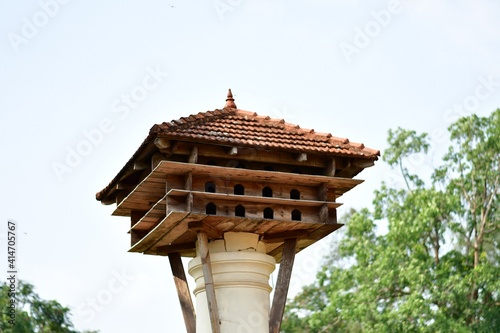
point(234, 127)
point(244, 128)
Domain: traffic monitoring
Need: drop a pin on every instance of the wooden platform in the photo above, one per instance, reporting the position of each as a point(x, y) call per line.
point(154, 187)
point(176, 233)
point(169, 207)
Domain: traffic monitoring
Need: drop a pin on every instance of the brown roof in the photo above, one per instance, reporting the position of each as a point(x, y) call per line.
point(244, 128)
point(234, 127)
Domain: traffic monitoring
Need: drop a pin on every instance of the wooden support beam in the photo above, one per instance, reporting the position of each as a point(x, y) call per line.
point(233, 151)
point(189, 202)
point(188, 186)
point(156, 159)
point(346, 171)
point(249, 154)
point(135, 235)
point(331, 168)
point(363, 163)
point(193, 157)
point(285, 272)
point(206, 266)
point(120, 195)
point(188, 181)
point(183, 292)
point(282, 236)
point(124, 186)
point(323, 214)
point(108, 201)
point(162, 143)
point(302, 157)
point(171, 150)
point(323, 192)
point(139, 166)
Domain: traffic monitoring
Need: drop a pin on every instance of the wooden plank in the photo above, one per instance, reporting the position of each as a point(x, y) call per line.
point(206, 229)
point(154, 215)
point(150, 189)
point(221, 223)
point(255, 188)
point(245, 224)
point(251, 199)
point(342, 184)
point(183, 292)
point(178, 234)
point(264, 225)
point(163, 228)
point(283, 236)
point(209, 281)
point(134, 235)
point(282, 284)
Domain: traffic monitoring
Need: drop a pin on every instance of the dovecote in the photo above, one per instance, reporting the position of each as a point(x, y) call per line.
point(233, 170)
point(250, 189)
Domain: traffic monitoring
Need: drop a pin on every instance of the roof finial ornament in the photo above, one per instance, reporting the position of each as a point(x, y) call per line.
point(230, 101)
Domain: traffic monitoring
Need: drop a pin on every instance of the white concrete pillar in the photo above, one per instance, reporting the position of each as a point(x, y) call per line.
point(241, 270)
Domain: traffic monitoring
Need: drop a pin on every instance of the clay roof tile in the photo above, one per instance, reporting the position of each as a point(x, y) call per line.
point(234, 126)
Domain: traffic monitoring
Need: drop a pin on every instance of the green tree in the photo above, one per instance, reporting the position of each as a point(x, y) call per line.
point(33, 314)
point(437, 267)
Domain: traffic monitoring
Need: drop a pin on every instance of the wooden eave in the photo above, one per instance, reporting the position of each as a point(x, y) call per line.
point(153, 187)
point(131, 177)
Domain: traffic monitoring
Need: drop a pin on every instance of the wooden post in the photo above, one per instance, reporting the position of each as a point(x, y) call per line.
point(135, 235)
point(330, 168)
point(193, 156)
point(183, 291)
point(209, 281)
point(279, 299)
point(189, 187)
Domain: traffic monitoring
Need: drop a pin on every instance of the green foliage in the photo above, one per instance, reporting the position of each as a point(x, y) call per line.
point(437, 269)
point(33, 314)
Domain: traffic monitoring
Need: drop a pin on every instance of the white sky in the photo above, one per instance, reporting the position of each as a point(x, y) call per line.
point(306, 61)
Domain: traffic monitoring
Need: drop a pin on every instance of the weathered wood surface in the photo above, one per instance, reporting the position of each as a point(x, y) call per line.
point(206, 266)
point(183, 292)
point(282, 284)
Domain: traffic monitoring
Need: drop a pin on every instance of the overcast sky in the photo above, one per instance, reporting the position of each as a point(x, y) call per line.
point(82, 82)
